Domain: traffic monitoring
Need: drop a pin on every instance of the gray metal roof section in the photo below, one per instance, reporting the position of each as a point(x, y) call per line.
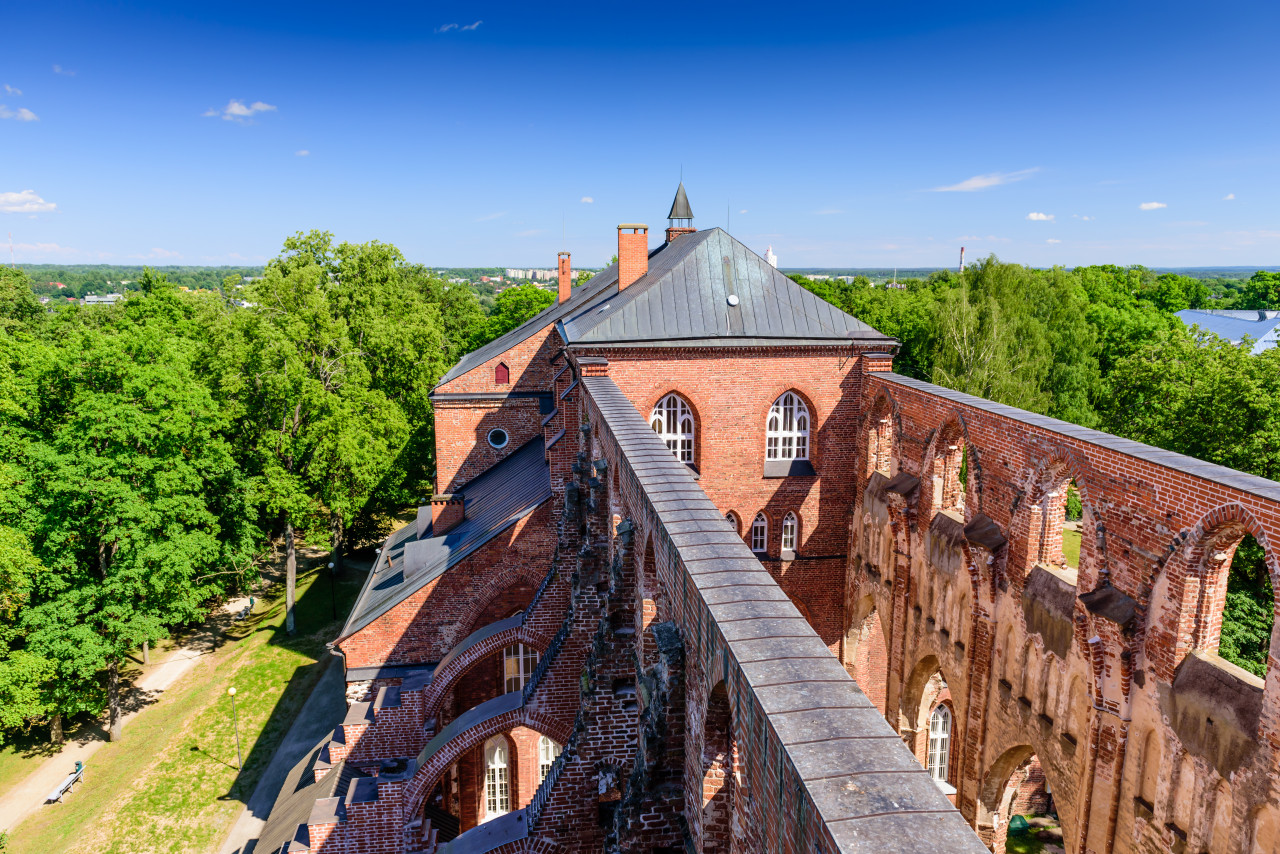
point(511, 827)
point(1259, 486)
point(1260, 325)
point(870, 792)
point(686, 295)
point(600, 284)
point(288, 818)
point(492, 502)
point(680, 205)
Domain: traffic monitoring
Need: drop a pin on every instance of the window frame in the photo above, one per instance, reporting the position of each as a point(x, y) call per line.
point(497, 777)
point(760, 526)
point(732, 519)
point(673, 410)
point(938, 746)
point(787, 429)
point(506, 440)
point(525, 659)
point(548, 750)
point(498, 371)
point(790, 530)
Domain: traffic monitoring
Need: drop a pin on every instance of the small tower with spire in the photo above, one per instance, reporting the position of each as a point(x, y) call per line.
point(680, 220)
point(770, 257)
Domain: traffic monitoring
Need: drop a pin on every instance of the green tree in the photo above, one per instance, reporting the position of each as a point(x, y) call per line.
point(1261, 291)
point(516, 305)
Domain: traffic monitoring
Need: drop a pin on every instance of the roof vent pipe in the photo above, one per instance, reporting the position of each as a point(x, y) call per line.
point(633, 253)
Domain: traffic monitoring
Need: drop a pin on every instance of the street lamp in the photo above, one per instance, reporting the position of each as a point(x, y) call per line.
point(333, 599)
point(231, 692)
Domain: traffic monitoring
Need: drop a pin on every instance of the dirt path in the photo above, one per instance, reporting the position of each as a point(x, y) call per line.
point(166, 667)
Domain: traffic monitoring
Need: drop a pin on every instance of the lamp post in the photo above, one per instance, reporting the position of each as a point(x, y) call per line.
point(231, 692)
point(333, 599)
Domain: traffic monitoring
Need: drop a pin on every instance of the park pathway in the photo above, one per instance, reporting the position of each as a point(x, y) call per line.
point(166, 668)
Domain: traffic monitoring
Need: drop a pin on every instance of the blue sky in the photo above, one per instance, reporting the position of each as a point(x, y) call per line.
point(859, 134)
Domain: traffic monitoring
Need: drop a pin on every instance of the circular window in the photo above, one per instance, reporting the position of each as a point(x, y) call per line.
point(498, 437)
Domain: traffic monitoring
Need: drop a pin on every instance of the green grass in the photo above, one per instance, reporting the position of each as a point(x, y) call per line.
point(171, 784)
point(1023, 845)
point(1071, 547)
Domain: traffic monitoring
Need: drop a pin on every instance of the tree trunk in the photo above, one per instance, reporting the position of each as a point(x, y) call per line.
point(146, 653)
point(113, 698)
point(337, 540)
point(55, 729)
point(291, 574)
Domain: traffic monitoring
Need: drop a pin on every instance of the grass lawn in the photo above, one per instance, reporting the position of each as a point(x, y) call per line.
point(1023, 845)
point(1071, 547)
point(171, 784)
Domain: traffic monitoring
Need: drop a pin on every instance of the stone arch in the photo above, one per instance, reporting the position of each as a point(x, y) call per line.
point(720, 772)
point(1040, 518)
point(1196, 596)
point(693, 410)
point(993, 806)
point(941, 487)
point(1264, 830)
point(1148, 782)
point(882, 436)
point(648, 599)
point(815, 419)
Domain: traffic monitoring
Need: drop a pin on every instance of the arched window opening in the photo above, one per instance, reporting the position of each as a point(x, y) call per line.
point(939, 743)
point(787, 430)
point(1056, 524)
point(732, 519)
point(518, 662)
point(760, 533)
point(950, 469)
point(790, 533)
point(880, 440)
point(497, 779)
point(719, 772)
point(1249, 609)
point(501, 374)
point(548, 750)
point(672, 420)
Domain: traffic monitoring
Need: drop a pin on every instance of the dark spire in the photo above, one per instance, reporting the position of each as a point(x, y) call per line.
point(680, 207)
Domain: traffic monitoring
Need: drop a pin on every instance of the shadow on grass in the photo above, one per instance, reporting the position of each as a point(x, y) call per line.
point(316, 626)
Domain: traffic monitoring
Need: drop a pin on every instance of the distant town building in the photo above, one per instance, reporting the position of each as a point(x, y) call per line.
point(58, 285)
point(1260, 325)
point(105, 299)
point(771, 258)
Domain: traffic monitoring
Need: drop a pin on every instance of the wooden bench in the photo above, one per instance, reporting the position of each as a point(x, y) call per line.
point(67, 783)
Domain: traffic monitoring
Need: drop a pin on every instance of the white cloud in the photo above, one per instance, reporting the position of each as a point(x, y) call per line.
point(488, 217)
point(66, 72)
point(9, 90)
point(22, 114)
point(1053, 240)
point(744, 210)
point(44, 249)
point(25, 202)
point(587, 200)
point(164, 253)
point(472, 26)
point(444, 28)
point(236, 111)
point(982, 182)
point(1081, 218)
point(1228, 197)
point(1152, 206)
point(302, 153)
point(1040, 217)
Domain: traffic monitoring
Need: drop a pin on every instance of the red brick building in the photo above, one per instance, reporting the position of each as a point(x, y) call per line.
point(682, 511)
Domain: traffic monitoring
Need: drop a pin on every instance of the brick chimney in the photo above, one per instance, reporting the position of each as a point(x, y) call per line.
point(447, 510)
point(566, 276)
point(633, 253)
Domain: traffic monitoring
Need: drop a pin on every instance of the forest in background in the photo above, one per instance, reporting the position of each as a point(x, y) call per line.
point(153, 448)
point(1101, 347)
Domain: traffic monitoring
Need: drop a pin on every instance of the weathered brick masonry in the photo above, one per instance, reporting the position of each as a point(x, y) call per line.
point(701, 693)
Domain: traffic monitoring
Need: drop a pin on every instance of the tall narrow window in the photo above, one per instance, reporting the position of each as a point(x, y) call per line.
point(939, 743)
point(501, 374)
point(497, 781)
point(548, 750)
point(672, 420)
point(518, 662)
point(759, 533)
point(787, 431)
point(732, 519)
point(790, 528)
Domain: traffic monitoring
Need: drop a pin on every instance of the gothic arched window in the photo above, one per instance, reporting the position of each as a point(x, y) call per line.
point(497, 780)
point(790, 532)
point(760, 533)
point(672, 420)
point(518, 662)
point(787, 430)
point(732, 519)
point(939, 743)
point(501, 374)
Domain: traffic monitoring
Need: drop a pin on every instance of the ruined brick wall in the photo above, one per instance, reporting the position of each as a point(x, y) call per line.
point(1103, 674)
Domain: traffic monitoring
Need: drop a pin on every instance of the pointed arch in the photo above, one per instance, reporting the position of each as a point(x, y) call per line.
point(501, 374)
point(787, 428)
point(672, 418)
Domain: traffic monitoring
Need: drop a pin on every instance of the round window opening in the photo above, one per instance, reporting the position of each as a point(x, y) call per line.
point(498, 437)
